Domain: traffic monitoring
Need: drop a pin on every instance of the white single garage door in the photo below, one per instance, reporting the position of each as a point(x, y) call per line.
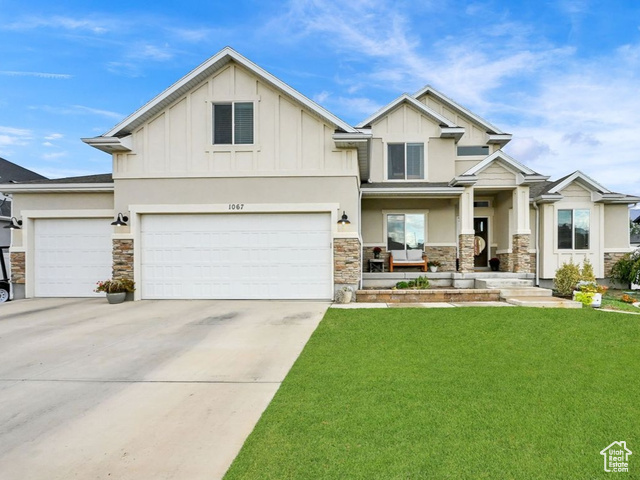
point(237, 256)
point(71, 256)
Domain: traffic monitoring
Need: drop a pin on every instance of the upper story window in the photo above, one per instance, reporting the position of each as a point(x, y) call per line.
point(573, 229)
point(233, 123)
point(405, 161)
point(473, 150)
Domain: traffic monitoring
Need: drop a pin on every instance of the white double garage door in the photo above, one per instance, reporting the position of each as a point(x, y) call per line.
point(193, 256)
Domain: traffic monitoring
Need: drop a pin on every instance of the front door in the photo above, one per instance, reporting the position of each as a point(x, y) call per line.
point(481, 242)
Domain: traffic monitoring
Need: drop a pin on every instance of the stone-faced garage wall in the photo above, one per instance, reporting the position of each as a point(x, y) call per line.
point(123, 259)
point(346, 261)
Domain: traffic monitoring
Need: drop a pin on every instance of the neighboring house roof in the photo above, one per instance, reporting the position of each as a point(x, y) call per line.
point(109, 140)
point(100, 178)
point(5, 207)
point(85, 183)
point(404, 98)
point(429, 90)
point(10, 172)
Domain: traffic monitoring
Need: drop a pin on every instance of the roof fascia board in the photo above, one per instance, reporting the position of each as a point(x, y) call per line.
point(59, 187)
point(453, 191)
point(228, 53)
point(413, 102)
point(578, 175)
point(464, 180)
point(499, 155)
point(456, 106)
point(110, 144)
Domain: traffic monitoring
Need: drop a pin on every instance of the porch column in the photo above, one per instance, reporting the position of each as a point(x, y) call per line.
point(521, 259)
point(465, 237)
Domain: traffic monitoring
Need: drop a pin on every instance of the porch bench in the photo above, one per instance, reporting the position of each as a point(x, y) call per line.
point(407, 258)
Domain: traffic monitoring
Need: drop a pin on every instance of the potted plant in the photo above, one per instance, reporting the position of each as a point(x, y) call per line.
point(589, 293)
point(376, 252)
point(344, 295)
point(494, 263)
point(433, 265)
point(116, 290)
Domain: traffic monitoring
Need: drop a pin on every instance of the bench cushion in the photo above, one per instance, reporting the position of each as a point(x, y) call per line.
point(399, 255)
point(414, 255)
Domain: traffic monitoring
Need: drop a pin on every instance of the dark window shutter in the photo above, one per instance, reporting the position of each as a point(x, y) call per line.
point(222, 131)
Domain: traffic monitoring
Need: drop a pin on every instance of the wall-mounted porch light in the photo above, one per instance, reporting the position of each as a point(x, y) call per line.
point(121, 221)
point(344, 220)
point(14, 224)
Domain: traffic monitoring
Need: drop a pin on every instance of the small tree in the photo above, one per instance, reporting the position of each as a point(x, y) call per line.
point(567, 276)
point(586, 274)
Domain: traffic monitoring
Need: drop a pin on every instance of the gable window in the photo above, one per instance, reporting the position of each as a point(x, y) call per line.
point(573, 229)
point(472, 151)
point(405, 231)
point(405, 161)
point(233, 123)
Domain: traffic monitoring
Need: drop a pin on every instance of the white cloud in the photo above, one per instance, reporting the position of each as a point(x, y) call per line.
point(77, 110)
point(57, 22)
point(151, 52)
point(54, 155)
point(54, 136)
point(63, 76)
point(321, 97)
point(47, 144)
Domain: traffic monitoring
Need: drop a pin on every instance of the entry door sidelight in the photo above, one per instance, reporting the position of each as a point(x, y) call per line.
point(481, 242)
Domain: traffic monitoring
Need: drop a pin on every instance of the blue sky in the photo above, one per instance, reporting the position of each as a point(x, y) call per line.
point(562, 76)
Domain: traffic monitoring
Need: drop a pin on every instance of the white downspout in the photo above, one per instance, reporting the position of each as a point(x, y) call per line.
point(535, 206)
point(360, 238)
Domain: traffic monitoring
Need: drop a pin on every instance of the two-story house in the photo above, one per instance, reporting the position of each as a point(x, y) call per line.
point(231, 184)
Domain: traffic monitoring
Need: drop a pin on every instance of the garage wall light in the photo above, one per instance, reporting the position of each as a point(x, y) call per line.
point(14, 224)
point(121, 221)
point(344, 220)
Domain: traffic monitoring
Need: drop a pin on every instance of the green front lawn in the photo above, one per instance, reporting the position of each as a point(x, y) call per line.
point(454, 393)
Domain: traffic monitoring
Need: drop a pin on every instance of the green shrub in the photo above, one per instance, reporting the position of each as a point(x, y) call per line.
point(567, 276)
point(402, 285)
point(627, 269)
point(586, 274)
point(422, 283)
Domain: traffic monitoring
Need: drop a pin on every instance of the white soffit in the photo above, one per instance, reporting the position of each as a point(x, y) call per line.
point(205, 70)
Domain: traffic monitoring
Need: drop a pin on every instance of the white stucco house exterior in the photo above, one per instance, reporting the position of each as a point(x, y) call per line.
point(234, 185)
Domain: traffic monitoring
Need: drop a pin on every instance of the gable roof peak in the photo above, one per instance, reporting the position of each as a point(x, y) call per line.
point(465, 112)
point(406, 98)
point(199, 74)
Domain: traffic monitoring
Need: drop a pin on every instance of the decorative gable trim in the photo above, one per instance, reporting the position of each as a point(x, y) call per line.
point(583, 179)
point(421, 107)
point(199, 74)
point(491, 129)
point(500, 156)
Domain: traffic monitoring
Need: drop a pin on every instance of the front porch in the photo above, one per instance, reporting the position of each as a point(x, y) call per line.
point(439, 279)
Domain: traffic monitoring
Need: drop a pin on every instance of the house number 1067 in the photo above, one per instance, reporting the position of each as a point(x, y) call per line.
point(236, 206)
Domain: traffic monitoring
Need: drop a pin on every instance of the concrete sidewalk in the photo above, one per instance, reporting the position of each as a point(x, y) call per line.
point(140, 390)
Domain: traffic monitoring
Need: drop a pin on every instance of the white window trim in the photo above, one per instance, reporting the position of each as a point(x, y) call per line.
point(425, 163)
point(233, 128)
point(404, 212)
point(572, 207)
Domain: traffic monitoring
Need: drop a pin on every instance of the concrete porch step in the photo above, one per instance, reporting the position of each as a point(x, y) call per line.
point(503, 283)
point(525, 292)
point(543, 302)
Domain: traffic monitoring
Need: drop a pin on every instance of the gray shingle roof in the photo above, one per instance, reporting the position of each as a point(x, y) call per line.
point(10, 173)
point(101, 178)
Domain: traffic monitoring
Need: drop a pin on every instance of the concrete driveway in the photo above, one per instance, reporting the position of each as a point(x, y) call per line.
point(140, 390)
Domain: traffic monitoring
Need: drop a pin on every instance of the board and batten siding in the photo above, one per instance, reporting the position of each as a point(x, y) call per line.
point(288, 138)
point(407, 125)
